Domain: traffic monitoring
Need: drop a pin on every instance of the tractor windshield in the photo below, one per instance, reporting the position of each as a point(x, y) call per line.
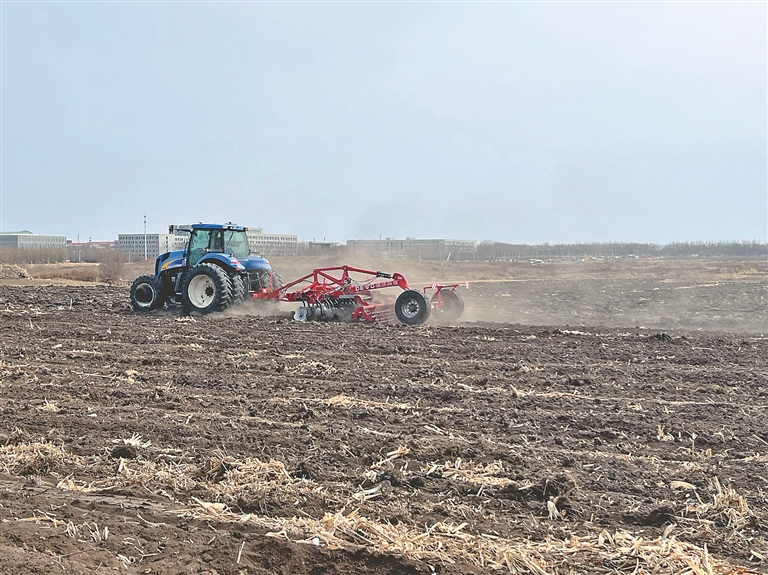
point(198, 245)
point(236, 243)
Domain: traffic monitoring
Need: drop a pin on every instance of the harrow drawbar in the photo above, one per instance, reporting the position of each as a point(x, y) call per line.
point(346, 293)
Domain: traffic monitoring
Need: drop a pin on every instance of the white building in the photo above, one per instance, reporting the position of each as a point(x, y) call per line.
point(272, 244)
point(27, 240)
point(137, 245)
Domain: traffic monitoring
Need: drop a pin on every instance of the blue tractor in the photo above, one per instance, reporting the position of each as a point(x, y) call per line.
point(216, 270)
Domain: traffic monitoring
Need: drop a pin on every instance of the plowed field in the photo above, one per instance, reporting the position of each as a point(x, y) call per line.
point(244, 443)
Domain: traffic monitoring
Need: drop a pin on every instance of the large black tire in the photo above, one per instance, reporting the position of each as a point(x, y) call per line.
point(207, 288)
point(452, 308)
point(147, 293)
point(412, 308)
point(277, 281)
point(238, 288)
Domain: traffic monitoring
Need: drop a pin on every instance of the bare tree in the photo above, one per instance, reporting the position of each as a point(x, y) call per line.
point(111, 265)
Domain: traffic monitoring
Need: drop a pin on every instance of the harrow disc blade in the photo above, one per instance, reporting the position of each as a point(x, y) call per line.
point(302, 314)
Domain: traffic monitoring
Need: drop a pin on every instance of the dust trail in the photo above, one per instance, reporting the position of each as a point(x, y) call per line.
point(657, 293)
point(709, 295)
point(253, 308)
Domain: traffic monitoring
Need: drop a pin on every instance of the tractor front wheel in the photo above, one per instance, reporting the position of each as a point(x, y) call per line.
point(207, 288)
point(412, 308)
point(148, 293)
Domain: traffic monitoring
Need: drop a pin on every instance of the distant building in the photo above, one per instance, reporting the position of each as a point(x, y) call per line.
point(428, 249)
point(272, 244)
point(258, 242)
point(27, 240)
point(321, 249)
point(137, 245)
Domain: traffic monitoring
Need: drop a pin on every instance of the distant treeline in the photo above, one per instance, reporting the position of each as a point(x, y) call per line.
point(32, 255)
point(93, 254)
point(86, 253)
point(495, 250)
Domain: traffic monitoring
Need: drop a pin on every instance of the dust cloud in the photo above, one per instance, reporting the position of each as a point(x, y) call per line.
point(729, 295)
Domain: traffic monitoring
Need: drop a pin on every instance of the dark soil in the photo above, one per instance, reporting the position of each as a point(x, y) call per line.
point(598, 421)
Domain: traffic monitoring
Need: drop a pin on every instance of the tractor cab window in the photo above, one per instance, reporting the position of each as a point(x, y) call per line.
point(217, 243)
point(236, 243)
point(198, 245)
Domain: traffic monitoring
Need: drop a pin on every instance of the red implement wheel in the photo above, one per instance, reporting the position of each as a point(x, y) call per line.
point(412, 308)
point(449, 308)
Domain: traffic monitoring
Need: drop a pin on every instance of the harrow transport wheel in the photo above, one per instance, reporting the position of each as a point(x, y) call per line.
point(412, 308)
point(238, 288)
point(148, 293)
point(452, 306)
point(207, 288)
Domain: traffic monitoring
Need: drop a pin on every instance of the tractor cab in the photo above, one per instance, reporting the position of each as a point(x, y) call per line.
point(231, 242)
point(228, 243)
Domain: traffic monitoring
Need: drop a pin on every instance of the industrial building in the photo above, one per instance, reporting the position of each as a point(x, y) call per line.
point(29, 241)
point(272, 244)
point(137, 245)
point(258, 242)
point(427, 249)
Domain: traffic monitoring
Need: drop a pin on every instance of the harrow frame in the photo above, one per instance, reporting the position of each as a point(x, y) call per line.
point(346, 293)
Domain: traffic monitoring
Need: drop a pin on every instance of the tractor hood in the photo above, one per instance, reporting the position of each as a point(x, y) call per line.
point(254, 262)
point(170, 260)
point(178, 259)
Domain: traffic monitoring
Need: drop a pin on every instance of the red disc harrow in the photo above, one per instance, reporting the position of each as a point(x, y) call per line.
point(346, 293)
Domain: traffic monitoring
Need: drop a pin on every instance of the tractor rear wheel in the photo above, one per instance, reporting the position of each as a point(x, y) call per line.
point(452, 306)
point(412, 308)
point(238, 288)
point(207, 288)
point(148, 293)
point(277, 281)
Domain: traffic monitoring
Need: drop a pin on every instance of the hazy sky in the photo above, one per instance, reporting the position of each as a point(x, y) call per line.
point(518, 122)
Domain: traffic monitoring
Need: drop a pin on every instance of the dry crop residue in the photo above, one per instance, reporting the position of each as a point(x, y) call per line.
point(8, 271)
point(165, 444)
